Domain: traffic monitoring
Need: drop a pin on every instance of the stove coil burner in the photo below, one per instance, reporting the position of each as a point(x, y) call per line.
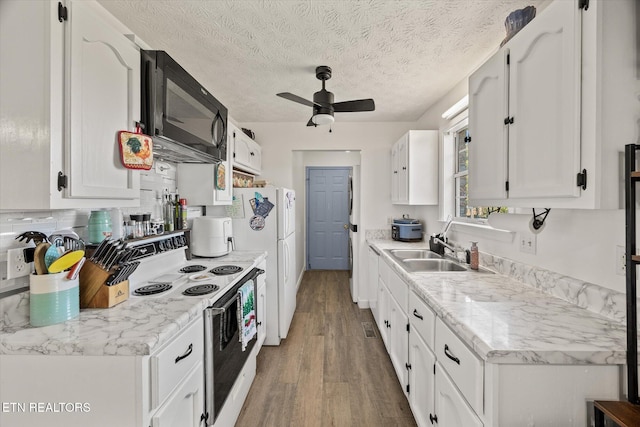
point(192, 268)
point(197, 290)
point(152, 289)
point(224, 270)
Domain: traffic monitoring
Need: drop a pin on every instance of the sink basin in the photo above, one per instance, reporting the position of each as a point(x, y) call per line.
point(416, 265)
point(414, 254)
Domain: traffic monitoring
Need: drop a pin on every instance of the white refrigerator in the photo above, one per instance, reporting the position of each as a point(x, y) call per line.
point(264, 219)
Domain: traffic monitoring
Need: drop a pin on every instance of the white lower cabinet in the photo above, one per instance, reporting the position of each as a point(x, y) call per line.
point(421, 380)
point(184, 408)
point(398, 340)
point(448, 385)
point(392, 320)
point(373, 261)
point(451, 410)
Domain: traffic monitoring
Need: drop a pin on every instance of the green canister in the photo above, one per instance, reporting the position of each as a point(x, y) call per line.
point(99, 226)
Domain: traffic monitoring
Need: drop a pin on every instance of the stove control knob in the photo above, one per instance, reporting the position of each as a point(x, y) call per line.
point(169, 244)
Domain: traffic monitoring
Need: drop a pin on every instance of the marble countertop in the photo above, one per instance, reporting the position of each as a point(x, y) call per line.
point(135, 327)
point(506, 321)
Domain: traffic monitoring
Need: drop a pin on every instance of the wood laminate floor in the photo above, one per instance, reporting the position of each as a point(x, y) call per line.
point(326, 372)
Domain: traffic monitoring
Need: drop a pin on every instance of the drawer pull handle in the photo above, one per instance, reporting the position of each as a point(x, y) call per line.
point(418, 315)
point(433, 418)
point(450, 355)
point(186, 354)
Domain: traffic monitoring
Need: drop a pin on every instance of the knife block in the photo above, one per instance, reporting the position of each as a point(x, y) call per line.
point(94, 292)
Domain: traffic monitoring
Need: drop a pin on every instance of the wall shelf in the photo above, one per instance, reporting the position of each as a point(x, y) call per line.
point(627, 413)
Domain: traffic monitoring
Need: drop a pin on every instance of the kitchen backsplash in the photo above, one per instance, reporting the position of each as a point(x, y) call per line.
point(152, 187)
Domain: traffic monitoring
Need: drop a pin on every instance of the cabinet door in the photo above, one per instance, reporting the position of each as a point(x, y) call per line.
point(403, 169)
point(398, 340)
point(394, 173)
point(544, 102)
point(104, 97)
point(255, 157)
point(383, 316)
point(185, 407)
point(373, 283)
point(488, 145)
point(450, 408)
point(240, 149)
point(421, 379)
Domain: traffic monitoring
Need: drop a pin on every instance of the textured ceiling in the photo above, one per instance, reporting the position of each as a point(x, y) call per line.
point(405, 54)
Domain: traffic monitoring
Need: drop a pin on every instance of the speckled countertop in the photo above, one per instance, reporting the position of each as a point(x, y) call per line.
point(506, 321)
point(135, 327)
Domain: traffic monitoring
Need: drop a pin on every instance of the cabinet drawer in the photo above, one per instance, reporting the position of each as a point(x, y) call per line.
point(399, 289)
point(172, 364)
point(422, 319)
point(463, 366)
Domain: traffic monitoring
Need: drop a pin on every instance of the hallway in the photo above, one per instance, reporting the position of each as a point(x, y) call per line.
point(327, 372)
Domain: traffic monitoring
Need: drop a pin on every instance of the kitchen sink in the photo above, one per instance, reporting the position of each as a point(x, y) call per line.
point(424, 260)
point(416, 265)
point(414, 254)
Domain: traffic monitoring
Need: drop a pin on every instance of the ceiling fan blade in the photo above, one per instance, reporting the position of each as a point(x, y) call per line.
point(296, 98)
point(354, 106)
point(310, 122)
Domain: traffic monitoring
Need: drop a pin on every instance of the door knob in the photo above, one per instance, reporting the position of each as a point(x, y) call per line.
point(346, 226)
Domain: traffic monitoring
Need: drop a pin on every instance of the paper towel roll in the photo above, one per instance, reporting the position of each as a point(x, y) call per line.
point(514, 222)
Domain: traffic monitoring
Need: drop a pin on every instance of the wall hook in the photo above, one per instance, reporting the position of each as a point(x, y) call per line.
point(538, 219)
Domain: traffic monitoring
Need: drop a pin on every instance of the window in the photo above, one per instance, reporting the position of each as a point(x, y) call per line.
point(456, 174)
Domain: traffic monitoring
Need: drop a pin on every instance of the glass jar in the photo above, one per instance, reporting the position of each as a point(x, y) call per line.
point(136, 226)
point(99, 226)
point(146, 224)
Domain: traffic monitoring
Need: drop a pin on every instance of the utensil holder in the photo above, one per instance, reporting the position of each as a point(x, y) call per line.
point(52, 298)
point(94, 292)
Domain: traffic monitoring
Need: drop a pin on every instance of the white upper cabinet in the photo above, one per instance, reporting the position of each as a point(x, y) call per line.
point(67, 89)
point(247, 154)
point(544, 105)
point(556, 100)
point(414, 168)
point(104, 97)
point(488, 146)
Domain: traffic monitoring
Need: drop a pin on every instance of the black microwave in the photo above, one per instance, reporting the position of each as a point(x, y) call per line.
point(187, 122)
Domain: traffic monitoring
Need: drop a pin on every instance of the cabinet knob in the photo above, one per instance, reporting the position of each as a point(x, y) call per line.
point(433, 418)
point(418, 315)
point(404, 168)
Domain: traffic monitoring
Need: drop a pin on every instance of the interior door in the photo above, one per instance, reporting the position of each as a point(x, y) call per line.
point(328, 218)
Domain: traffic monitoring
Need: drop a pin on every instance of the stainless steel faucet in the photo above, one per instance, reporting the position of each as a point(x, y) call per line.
point(445, 244)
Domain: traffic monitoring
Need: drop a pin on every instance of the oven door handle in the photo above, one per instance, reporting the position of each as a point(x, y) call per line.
point(219, 310)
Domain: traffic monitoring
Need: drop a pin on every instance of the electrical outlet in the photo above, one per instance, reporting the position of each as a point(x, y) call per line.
point(16, 265)
point(621, 261)
point(527, 243)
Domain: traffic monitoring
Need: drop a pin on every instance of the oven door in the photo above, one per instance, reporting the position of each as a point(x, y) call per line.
point(224, 357)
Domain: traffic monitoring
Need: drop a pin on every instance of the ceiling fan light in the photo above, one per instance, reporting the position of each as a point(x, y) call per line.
point(322, 119)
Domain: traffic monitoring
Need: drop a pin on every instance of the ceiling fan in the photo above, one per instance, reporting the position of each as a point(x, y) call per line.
point(323, 105)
